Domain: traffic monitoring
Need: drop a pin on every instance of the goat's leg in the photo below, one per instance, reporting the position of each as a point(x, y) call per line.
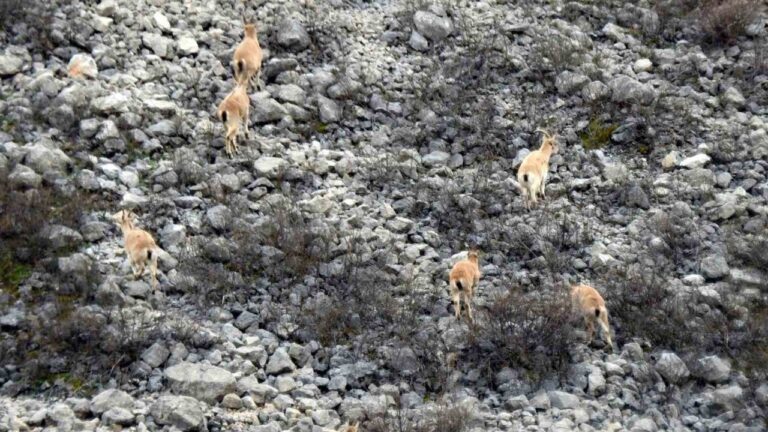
point(456, 300)
point(246, 120)
point(468, 303)
point(258, 79)
point(153, 270)
point(590, 330)
point(603, 321)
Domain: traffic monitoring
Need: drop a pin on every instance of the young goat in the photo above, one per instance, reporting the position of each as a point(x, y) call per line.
point(463, 279)
point(246, 61)
point(139, 245)
point(532, 174)
point(588, 303)
point(233, 112)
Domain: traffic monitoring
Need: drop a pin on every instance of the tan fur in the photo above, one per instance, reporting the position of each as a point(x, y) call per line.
point(465, 273)
point(237, 107)
point(246, 61)
point(532, 174)
point(139, 245)
point(588, 303)
point(350, 428)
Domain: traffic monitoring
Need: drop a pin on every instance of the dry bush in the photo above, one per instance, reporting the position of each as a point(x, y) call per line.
point(557, 237)
point(726, 20)
point(681, 236)
point(639, 305)
point(523, 330)
point(555, 52)
point(305, 243)
point(749, 249)
point(642, 306)
point(446, 418)
point(380, 315)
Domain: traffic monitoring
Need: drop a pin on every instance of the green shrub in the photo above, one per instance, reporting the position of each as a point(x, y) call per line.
point(597, 135)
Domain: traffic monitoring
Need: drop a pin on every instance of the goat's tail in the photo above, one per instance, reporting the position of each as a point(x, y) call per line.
point(525, 178)
point(239, 67)
point(223, 116)
point(597, 312)
point(458, 285)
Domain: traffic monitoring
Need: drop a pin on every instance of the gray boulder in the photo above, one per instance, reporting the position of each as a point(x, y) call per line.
point(182, 412)
point(23, 176)
point(203, 382)
point(728, 398)
point(46, 158)
point(84, 64)
point(569, 82)
point(712, 369)
point(627, 89)
point(715, 267)
point(218, 217)
point(118, 416)
point(264, 109)
point(10, 64)
point(432, 26)
point(109, 399)
point(672, 368)
point(329, 110)
point(156, 354)
point(418, 42)
point(563, 400)
point(280, 362)
point(158, 44)
point(269, 167)
point(292, 34)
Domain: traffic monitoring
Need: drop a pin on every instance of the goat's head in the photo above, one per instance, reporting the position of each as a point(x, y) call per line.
point(124, 218)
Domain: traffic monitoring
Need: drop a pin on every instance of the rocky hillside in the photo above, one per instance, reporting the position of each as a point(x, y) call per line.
point(303, 283)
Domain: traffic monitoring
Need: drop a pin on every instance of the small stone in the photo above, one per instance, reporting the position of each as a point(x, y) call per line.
point(642, 65)
point(329, 110)
point(204, 382)
point(280, 362)
point(728, 398)
point(232, 401)
point(418, 42)
point(432, 26)
point(155, 355)
point(733, 96)
point(436, 158)
point(161, 21)
point(516, 402)
point(697, 161)
point(110, 399)
point(269, 167)
point(292, 34)
point(82, 66)
point(563, 400)
point(672, 368)
point(671, 160)
point(118, 416)
point(182, 412)
point(10, 64)
point(715, 267)
point(712, 369)
point(187, 46)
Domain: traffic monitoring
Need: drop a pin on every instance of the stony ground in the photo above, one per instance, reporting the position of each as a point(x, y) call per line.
point(386, 138)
